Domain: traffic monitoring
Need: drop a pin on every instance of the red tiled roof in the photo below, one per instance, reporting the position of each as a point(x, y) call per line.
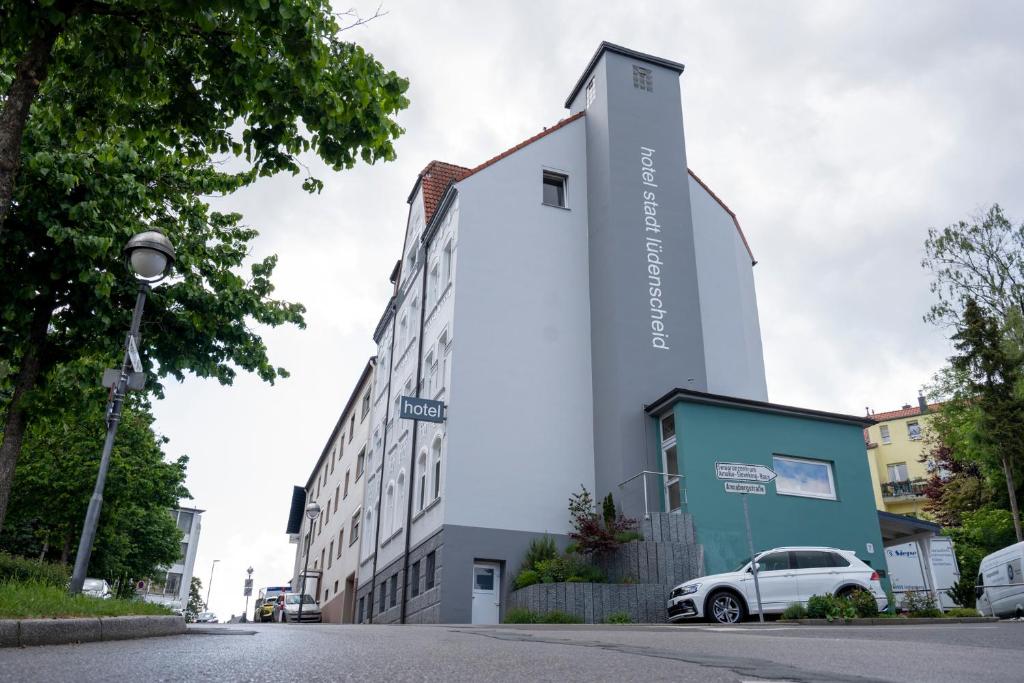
point(729, 211)
point(436, 178)
point(903, 412)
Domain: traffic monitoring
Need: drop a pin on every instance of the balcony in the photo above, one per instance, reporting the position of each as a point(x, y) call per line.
point(913, 488)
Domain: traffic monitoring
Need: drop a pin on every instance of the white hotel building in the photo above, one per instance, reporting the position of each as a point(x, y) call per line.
point(545, 296)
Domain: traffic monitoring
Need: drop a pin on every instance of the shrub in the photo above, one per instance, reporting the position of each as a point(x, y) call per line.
point(527, 577)
point(962, 612)
point(593, 533)
point(519, 615)
point(540, 549)
point(557, 617)
point(829, 607)
point(627, 536)
point(608, 510)
point(864, 603)
point(21, 569)
point(962, 592)
point(795, 611)
point(920, 604)
point(618, 618)
point(568, 568)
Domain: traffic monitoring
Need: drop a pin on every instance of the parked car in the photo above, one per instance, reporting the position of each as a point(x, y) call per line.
point(1000, 588)
point(206, 618)
point(286, 610)
point(785, 576)
point(97, 588)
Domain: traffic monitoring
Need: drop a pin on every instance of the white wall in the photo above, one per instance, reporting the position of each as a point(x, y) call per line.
point(520, 431)
point(728, 303)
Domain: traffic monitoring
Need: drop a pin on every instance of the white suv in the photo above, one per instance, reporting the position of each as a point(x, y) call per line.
point(785, 575)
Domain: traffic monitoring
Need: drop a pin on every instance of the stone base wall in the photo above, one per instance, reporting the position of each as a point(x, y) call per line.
point(595, 602)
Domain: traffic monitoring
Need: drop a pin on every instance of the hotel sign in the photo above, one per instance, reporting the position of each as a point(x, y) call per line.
point(412, 408)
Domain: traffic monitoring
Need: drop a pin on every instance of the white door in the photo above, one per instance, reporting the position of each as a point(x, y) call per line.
point(777, 581)
point(486, 592)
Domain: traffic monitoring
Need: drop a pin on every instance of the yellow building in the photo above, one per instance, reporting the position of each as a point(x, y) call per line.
point(894, 449)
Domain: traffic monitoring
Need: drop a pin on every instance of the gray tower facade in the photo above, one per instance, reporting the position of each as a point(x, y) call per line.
point(644, 298)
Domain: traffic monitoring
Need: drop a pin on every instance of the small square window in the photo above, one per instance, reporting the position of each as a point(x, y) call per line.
point(554, 189)
point(914, 431)
point(643, 79)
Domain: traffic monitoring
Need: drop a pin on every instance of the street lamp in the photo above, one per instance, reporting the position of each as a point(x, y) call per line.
point(150, 256)
point(312, 512)
point(210, 585)
point(248, 592)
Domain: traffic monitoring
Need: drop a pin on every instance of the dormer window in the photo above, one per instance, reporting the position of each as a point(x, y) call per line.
point(554, 189)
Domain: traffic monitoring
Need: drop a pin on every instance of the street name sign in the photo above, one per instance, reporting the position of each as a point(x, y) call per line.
point(412, 408)
point(133, 354)
point(738, 471)
point(745, 487)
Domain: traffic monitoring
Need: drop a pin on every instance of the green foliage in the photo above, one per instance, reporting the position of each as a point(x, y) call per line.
point(608, 510)
point(962, 592)
point(981, 533)
point(195, 600)
point(627, 536)
point(961, 612)
point(23, 570)
point(830, 607)
point(540, 549)
point(21, 600)
point(519, 615)
point(864, 603)
point(55, 476)
point(526, 577)
point(568, 568)
point(795, 610)
point(556, 617)
point(593, 533)
point(618, 618)
point(920, 604)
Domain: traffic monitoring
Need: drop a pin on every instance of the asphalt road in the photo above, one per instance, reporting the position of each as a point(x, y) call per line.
point(309, 653)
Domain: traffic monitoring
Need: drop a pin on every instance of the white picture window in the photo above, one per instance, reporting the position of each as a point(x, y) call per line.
point(802, 477)
point(884, 431)
point(898, 472)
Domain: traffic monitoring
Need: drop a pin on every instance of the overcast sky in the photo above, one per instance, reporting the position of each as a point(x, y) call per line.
point(838, 132)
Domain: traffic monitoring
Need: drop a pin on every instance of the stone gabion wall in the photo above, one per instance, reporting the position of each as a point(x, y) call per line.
point(595, 602)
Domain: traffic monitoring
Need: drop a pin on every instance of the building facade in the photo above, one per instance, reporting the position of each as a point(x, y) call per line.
point(545, 296)
point(171, 588)
point(336, 484)
point(897, 451)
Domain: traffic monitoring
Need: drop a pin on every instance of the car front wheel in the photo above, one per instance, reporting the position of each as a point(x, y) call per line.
point(725, 608)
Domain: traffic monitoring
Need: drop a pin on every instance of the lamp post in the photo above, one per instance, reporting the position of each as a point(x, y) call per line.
point(150, 256)
point(248, 592)
point(210, 585)
point(312, 512)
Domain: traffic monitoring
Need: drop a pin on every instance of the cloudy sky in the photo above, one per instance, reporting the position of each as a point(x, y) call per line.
point(838, 132)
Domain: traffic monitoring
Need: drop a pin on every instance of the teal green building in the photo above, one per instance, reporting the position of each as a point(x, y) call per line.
point(822, 494)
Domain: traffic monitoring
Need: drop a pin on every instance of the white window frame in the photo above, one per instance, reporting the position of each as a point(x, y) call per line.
point(436, 456)
point(910, 433)
point(547, 174)
point(446, 263)
point(804, 494)
point(885, 434)
point(422, 479)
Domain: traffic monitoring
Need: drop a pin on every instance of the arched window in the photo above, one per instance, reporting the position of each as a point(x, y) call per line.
point(369, 532)
point(435, 457)
point(389, 510)
point(401, 509)
point(421, 480)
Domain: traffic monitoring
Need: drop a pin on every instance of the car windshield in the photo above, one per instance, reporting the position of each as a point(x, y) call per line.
point(294, 600)
point(742, 565)
point(93, 584)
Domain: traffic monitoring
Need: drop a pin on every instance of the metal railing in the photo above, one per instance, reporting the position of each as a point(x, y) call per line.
point(902, 489)
point(644, 473)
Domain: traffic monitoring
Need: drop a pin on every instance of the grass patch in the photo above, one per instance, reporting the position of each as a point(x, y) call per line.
point(25, 600)
point(962, 612)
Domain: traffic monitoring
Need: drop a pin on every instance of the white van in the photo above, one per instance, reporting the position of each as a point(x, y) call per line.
point(1000, 588)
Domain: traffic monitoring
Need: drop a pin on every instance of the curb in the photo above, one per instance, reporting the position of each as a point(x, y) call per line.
point(30, 632)
point(895, 621)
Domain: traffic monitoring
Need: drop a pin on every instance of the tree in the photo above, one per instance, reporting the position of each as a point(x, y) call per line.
point(982, 260)
point(195, 600)
point(992, 369)
point(55, 479)
point(267, 78)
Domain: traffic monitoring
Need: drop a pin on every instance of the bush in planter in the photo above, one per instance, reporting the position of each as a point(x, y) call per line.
point(540, 549)
point(527, 577)
point(920, 604)
point(557, 617)
point(568, 568)
point(864, 603)
point(627, 536)
point(829, 607)
point(618, 618)
point(962, 612)
point(795, 611)
point(519, 615)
